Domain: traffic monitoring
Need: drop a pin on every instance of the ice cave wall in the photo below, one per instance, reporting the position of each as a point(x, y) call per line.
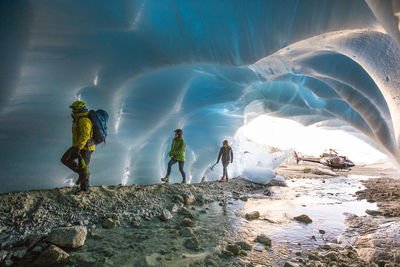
point(204, 66)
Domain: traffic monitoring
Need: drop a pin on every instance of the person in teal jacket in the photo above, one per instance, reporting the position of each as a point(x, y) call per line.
point(177, 154)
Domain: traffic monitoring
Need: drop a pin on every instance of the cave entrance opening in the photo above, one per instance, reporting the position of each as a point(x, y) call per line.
point(276, 133)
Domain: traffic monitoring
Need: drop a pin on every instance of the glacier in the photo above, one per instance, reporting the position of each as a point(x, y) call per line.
point(207, 67)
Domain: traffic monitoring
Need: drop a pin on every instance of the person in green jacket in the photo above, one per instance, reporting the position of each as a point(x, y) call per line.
point(77, 157)
point(177, 154)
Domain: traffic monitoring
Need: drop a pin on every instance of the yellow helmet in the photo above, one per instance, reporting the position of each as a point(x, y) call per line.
point(78, 105)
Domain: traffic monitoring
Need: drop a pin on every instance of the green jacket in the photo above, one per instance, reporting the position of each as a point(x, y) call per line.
point(177, 151)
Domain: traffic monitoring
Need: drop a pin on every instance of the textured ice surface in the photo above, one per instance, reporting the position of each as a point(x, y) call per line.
point(205, 66)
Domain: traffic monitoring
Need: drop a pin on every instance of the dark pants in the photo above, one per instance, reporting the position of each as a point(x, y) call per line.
point(181, 164)
point(225, 169)
point(72, 159)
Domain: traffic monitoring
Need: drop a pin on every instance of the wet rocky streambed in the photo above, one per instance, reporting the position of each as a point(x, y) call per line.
point(209, 224)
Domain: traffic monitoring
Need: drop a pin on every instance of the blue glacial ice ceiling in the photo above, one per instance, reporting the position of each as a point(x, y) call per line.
point(204, 66)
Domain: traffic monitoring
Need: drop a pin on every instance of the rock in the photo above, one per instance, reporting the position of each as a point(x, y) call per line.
point(211, 263)
point(291, 264)
point(187, 222)
point(165, 215)
point(8, 261)
point(52, 255)
point(258, 248)
point(312, 257)
point(263, 240)
point(178, 199)
point(229, 253)
point(20, 253)
point(186, 213)
point(235, 249)
point(173, 207)
point(186, 232)
point(303, 218)
point(322, 232)
point(108, 252)
point(243, 245)
point(109, 223)
point(3, 255)
point(68, 237)
point(244, 198)
point(374, 212)
point(37, 249)
point(33, 239)
point(267, 193)
point(252, 215)
point(278, 181)
point(307, 170)
point(331, 255)
point(321, 171)
point(86, 222)
point(188, 199)
point(192, 243)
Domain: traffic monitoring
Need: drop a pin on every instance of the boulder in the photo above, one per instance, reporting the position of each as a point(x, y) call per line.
point(243, 245)
point(253, 215)
point(51, 256)
point(188, 199)
point(68, 237)
point(303, 218)
point(165, 215)
point(186, 213)
point(192, 243)
point(264, 240)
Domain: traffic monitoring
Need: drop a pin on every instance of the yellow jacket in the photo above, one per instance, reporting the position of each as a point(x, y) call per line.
point(82, 131)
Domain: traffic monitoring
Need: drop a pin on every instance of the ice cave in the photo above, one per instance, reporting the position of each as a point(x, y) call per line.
point(208, 67)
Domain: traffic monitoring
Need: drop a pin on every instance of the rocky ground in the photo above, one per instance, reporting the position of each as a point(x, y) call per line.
point(182, 225)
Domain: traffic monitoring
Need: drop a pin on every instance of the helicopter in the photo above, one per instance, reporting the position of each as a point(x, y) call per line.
point(331, 159)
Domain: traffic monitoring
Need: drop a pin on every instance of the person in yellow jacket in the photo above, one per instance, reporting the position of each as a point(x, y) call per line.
point(77, 157)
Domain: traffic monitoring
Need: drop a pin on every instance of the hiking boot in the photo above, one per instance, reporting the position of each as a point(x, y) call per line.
point(227, 179)
point(183, 181)
point(222, 179)
point(78, 182)
point(165, 179)
point(81, 192)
